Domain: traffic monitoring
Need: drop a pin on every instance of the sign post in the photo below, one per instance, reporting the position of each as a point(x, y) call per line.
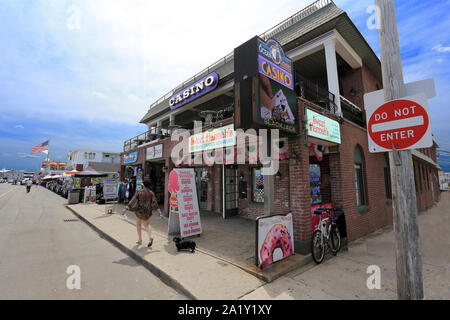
point(406, 229)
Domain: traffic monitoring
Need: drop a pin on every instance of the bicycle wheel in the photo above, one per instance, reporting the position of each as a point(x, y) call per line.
point(317, 247)
point(335, 239)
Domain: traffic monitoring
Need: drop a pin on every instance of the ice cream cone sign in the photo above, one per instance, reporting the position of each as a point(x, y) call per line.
point(173, 188)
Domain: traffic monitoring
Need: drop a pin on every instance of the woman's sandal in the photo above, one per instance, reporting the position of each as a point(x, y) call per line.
point(150, 243)
point(138, 242)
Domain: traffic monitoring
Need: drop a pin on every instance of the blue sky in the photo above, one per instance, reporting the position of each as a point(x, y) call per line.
point(83, 73)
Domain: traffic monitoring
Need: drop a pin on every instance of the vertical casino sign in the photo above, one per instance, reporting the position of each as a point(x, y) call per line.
point(264, 87)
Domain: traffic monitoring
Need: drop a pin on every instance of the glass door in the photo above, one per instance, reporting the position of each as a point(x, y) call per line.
point(231, 191)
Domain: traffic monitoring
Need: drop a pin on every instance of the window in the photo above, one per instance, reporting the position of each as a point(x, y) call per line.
point(257, 186)
point(387, 177)
point(360, 184)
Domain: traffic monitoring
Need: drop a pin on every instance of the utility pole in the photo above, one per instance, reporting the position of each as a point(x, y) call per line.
point(406, 228)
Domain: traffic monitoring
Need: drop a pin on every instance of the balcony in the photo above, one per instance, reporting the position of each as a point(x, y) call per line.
point(143, 138)
point(311, 91)
point(352, 112)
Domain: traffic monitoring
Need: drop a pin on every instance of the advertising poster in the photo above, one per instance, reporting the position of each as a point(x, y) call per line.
point(109, 189)
point(275, 239)
point(184, 203)
point(277, 99)
point(77, 183)
point(89, 195)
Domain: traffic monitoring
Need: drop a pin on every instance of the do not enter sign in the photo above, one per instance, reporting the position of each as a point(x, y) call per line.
point(402, 123)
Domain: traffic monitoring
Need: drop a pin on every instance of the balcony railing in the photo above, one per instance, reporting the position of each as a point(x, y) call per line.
point(145, 137)
point(311, 91)
point(352, 112)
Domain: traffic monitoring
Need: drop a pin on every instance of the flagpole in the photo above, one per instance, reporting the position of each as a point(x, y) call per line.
point(48, 154)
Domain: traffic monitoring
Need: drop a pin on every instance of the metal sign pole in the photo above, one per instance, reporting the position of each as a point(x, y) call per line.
point(406, 229)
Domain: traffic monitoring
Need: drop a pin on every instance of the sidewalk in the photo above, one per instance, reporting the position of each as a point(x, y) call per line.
point(209, 273)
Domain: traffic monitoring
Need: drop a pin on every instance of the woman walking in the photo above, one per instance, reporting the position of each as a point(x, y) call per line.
point(143, 203)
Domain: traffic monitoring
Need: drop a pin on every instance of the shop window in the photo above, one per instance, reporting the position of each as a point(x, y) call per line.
point(360, 181)
point(314, 180)
point(387, 177)
point(257, 186)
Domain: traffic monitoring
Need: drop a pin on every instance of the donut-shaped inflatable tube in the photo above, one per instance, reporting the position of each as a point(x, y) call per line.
point(277, 237)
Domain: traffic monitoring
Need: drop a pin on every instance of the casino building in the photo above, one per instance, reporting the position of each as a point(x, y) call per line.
point(306, 77)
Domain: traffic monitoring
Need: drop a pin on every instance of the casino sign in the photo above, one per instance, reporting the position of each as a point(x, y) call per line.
point(198, 89)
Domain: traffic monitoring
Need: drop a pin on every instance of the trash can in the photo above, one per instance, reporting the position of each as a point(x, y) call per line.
point(74, 196)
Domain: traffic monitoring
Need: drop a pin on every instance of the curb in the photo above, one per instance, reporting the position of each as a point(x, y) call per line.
point(164, 277)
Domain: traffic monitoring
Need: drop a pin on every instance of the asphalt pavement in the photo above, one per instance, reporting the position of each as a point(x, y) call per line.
point(41, 241)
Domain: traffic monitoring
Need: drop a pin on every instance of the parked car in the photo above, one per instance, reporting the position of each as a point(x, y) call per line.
point(24, 181)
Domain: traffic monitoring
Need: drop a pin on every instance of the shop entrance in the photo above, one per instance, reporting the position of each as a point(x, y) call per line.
point(230, 191)
point(201, 177)
point(157, 179)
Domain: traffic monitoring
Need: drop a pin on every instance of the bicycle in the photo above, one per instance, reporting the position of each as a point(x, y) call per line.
point(326, 233)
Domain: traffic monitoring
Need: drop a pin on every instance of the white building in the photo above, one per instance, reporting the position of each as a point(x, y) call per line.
point(79, 159)
point(444, 180)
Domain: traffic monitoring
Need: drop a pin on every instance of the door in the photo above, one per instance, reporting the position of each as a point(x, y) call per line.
point(201, 177)
point(230, 191)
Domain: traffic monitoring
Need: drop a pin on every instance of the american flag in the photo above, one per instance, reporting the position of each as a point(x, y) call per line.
point(40, 147)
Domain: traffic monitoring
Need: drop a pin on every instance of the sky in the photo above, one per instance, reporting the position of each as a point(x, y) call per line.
point(83, 73)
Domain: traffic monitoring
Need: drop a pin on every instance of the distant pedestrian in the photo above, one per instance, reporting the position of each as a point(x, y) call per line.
point(142, 204)
point(29, 183)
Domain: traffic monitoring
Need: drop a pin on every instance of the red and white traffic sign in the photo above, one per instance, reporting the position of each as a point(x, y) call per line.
point(403, 123)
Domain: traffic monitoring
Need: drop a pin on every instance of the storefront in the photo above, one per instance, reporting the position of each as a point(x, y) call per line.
point(155, 170)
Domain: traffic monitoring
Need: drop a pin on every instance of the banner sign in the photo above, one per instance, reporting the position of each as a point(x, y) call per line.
point(184, 202)
point(218, 138)
point(323, 127)
point(130, 157)
point(198, 89)
point(155, 152)
point(77, 183)
point(109, 189)
point(275, 237)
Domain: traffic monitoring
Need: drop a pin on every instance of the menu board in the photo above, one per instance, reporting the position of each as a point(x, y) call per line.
point(184, 201)
point(89, 194)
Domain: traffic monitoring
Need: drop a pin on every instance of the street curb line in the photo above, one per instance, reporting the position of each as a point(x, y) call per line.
point(164, 277)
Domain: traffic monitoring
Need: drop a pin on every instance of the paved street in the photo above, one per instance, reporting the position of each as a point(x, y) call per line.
point(345, 276)
point(37, 246)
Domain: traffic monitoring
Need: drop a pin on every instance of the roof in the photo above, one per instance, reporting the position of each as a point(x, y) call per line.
point(104, 167)
point(307, 24)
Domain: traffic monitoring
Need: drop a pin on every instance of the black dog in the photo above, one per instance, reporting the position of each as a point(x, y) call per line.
point(184, 244)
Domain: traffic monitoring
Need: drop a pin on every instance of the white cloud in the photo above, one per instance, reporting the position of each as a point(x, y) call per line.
point(24, 155)
point(439, 48)
point(19, 126)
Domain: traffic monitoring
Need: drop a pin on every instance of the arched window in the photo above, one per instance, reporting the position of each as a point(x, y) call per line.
point(360, 181)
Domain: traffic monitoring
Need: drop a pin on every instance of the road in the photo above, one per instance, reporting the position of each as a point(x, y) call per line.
point(37, 246)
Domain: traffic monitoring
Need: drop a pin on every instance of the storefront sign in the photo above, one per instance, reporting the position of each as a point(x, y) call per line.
point(273, 63)
point(155, 152)
point(323, 127)
point(109, 189)
point(198, 89)
point(184, 202)
point(275, 239)
point(264, 87)
point(402, 123)
point(130, 157)
point(218, 138)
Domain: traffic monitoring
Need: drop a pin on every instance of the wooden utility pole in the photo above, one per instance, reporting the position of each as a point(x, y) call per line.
point(406, 228)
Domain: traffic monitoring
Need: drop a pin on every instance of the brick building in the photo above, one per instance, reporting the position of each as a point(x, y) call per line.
point(334, 67)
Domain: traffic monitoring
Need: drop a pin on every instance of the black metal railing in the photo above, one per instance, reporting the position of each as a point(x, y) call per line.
point(145, 137)
point(311, 91)
point(352, 112)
